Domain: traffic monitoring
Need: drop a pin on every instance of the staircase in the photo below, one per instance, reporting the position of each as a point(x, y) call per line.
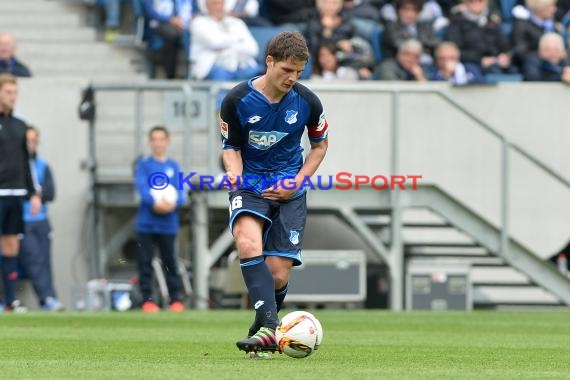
point(53, 41)
point(430, 237)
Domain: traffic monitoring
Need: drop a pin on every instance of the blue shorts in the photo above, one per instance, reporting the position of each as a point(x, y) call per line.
point(284, 222)
point(11, 215)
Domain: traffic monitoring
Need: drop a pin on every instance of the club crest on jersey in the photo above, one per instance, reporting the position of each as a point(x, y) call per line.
point(291, 116)
point(264, 140)
point(294, 237)
point(224, 128)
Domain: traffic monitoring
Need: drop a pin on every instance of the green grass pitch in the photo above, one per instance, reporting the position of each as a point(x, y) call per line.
point(357, 345)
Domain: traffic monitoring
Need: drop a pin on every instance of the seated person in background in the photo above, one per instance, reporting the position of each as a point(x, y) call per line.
point(448, 67)
point(405, 66)
point(527, 32)
point(407, 26)
point(222, 47)
point(331, 24)
point(247, 10)
point(8, 62)
point(327, 66)
point(169, 19)
point(429, 11)
point(478, 35)
point(550, 63)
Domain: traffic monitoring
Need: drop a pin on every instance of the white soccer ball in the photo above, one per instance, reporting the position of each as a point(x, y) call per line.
point(299, 334)
point(169, 194)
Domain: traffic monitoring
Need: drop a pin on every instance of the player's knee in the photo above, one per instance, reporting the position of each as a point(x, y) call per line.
point(281, 277)
point(248, 247)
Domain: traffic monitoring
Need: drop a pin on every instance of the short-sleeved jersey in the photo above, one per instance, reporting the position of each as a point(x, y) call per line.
point(269, 135)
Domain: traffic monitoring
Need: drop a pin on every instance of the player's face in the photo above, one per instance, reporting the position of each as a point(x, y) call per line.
point(159, 143)
point(284, 74)
point(8, 95)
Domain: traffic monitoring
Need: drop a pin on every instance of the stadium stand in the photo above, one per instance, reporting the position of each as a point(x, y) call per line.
point(53, 41)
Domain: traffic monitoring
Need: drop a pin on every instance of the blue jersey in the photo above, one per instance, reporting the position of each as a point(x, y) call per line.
point(148, 221)
point(269, 135)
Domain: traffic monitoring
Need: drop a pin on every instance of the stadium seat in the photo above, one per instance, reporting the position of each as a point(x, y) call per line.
point(263, 35)
point(496, 78)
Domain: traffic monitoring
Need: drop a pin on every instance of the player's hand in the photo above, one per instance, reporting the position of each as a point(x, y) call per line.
point(35, 204)
point(161, 206)
point(281, 191)
point(232, 178)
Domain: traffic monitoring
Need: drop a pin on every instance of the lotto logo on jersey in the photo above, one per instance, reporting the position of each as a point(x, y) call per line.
point(224, 128)
point(264, 140)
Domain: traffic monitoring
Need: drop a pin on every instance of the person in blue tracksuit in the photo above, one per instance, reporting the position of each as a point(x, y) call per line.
point(157, 220)
point(35, 247)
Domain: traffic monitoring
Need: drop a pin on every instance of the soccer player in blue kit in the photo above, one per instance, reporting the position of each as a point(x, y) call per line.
point(262, 123)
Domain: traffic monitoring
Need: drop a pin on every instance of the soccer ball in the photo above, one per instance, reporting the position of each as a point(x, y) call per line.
point(169, 194)
point(299, 334)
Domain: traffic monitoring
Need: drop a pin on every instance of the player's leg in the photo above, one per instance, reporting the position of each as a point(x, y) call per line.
point(168, 257)
point(284, 243)
point(280, 268)
point(248, 221)
point(145, 254)
point(12, 226)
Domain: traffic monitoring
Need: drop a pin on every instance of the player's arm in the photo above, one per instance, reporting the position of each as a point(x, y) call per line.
point(318, 137)
point(313, 160)
point(230, 130)
point(233, 164)
point(141, 183)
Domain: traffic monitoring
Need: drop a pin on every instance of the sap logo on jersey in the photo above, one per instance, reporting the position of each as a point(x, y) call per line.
point(264, 140)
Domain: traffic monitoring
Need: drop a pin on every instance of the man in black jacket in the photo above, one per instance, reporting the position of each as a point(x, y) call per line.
point(9, 64)
point(16, 184)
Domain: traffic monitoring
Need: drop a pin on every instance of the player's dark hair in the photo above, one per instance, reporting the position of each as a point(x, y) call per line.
point(288, 46)
point(158, 128)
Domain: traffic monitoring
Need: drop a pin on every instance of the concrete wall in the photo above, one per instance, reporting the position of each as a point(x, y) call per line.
point(450, 150)
point(436, 140)
point(51, 105)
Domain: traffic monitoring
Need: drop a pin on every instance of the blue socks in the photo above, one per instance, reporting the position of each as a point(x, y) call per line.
point(9, 277)
point(280, 296)
point(260, 286)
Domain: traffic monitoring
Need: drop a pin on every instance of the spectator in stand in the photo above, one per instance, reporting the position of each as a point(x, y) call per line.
point(222, 48)
point(405, 66)
point(331, 24)
point(246, 10)
point(35, 247)
point(476, 31)
point(291, 13)
point(9, 64)
point(327, 66)
point(170, 19)
point(448, 67)
point(550, 63)
point(430, 11)
point(112, 19)
point(527, 32)
point(407, 26)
